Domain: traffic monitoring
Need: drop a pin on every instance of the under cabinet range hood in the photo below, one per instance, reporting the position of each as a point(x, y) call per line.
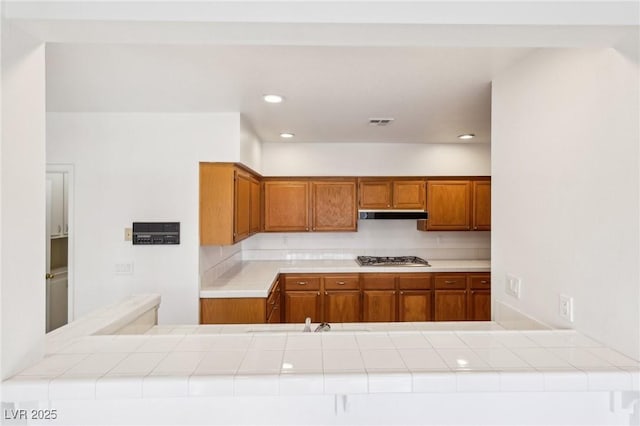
point(393, 214)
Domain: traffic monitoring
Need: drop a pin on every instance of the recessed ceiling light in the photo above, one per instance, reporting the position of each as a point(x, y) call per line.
point(467, 136)
point(286, 135)
point(273, 99)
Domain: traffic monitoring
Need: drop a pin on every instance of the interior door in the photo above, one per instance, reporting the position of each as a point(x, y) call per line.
point(56, 241)
point(47, 240)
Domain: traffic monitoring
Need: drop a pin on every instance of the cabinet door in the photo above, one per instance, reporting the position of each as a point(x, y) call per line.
point(409, 194)
point(217, 205)
point(273, 304)
point(242, 208)
point(448, 204)
point(298, 305)
point(233, 311)
point(482, 205)
point(342, 306)
point(334, 206)
point(375, 194)
point(255, 223)
point(450, 305)
point(480, 305)
point(379, 306)
point(274, 317)
point(415, 305)
point(286, 206)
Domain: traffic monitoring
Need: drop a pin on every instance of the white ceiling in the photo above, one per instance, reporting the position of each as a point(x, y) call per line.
point(434, 94)
point(428, 64)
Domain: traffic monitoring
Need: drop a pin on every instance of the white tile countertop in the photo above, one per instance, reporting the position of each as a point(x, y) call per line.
point(276, 374)
point(195, 361)
point(254, 278)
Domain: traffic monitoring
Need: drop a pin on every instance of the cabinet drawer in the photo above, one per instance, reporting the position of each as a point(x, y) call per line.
point(301, 282)
point(379, 281)
point(451, 281)
point(342, 282)
point(414, 281)
point(274, 299)
point(480, 281)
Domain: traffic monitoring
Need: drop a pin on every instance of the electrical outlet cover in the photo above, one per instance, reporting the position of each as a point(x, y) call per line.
point(565, 307)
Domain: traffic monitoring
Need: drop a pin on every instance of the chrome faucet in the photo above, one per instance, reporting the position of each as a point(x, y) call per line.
point(307, 325)
point(323, 326)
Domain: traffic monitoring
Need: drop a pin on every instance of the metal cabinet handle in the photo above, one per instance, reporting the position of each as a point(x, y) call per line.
point(450, 282)
point(326, 293)
point(49, 276)
point(341, 283)
point(483, 282)
point(302, 283)
point(402, 292)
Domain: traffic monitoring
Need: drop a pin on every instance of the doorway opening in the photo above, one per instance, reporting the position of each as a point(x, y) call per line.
point(59, 246)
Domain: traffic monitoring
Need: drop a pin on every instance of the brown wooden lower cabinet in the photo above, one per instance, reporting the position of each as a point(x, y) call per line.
point(379, 300)
point(462, 297)
point(368, 297)
point(342, 306)
point(254, 310)
point(450, 305)
point(299, 305)
point(379, 305)
point(415, 305)
point(479, 305)
point(233, 311)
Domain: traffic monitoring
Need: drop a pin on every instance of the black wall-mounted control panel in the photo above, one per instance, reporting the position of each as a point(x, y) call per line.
point(153, 233)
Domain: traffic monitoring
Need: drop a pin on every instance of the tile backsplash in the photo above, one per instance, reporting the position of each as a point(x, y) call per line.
point(374, 238)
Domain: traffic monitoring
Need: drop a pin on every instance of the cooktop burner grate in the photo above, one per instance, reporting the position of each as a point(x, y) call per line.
point(391, 261)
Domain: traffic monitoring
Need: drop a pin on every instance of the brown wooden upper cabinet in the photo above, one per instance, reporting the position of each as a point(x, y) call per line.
point(310, 205)
point(481, 219)
point(334, 205)
point(458, 205)
point(385, 193)
point(286, 205)
point(229, 203)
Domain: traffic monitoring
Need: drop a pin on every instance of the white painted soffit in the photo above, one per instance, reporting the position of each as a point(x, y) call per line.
point(452, 12)
point(327, 34)
point(333, 23)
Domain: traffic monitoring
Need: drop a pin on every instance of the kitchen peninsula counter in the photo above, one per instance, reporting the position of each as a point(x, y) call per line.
point(254, 278)
point(390, 373)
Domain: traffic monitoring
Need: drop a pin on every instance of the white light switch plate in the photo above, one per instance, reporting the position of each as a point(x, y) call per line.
point(513, 286)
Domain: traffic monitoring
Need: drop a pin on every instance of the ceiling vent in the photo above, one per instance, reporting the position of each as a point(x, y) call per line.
point(380, 121)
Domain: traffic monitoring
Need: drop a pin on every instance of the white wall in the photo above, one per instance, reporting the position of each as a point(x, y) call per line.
point(23, 200)
point(566, 190)
point(138, 167)
point(375, 159)
point(250, 146)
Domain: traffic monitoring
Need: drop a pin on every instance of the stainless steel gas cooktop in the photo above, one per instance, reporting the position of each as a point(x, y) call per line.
point(391, 261)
